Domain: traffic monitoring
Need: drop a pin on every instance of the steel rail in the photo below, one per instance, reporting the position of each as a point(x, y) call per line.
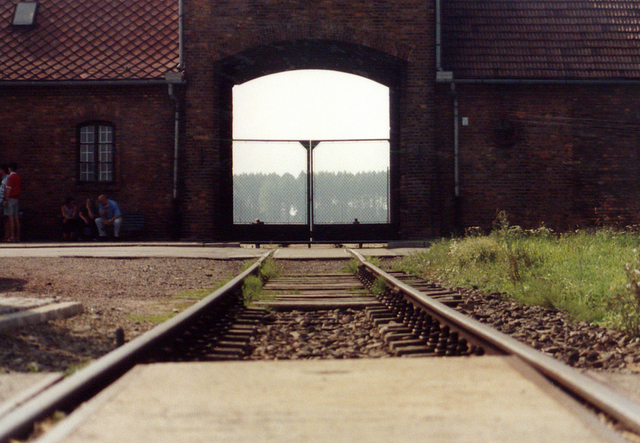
point(590, 390)
point(88, 381)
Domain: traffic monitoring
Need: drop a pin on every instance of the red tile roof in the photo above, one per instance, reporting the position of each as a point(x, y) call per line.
point(541, 39)
point(90, 40)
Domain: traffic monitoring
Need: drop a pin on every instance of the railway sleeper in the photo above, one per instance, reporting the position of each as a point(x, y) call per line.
point(405, 326)
point(404, 330)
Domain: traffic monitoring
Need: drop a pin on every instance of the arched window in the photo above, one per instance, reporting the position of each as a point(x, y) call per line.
point(96, 152)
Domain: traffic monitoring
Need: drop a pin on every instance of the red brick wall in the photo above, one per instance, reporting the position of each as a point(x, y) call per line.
point(572, 161)
point(215, 31)
point(38, 131)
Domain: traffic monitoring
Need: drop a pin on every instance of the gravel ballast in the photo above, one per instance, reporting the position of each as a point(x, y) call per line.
point(126, 293)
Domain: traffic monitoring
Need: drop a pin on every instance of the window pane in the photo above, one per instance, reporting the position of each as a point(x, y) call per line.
point(87, 134)
point(106, 172)
point(86, 171)
point(86, 154)
point(106, 134)
point(106, 153)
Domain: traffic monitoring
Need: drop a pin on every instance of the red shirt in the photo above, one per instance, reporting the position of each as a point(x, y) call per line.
point(13, 186)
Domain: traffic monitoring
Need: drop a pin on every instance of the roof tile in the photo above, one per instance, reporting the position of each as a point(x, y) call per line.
point(91, 40)
point(564, 39)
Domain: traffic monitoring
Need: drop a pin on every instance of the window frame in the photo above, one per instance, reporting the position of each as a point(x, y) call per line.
point(97, 143)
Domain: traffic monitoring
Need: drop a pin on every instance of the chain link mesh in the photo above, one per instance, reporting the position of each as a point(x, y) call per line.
point(350, 182)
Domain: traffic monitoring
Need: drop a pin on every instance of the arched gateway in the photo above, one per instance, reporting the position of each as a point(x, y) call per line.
point(311, 220)
point(228, 44)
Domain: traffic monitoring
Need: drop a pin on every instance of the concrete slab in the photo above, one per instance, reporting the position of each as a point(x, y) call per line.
point(39, 314)
point(231, 251)
point(17, 388)
point(487, 399)
point(128, 250)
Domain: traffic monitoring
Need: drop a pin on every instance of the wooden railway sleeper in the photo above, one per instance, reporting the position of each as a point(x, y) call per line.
point(409, 329)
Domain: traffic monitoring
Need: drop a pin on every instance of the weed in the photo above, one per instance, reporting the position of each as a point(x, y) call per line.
point(375, 261)
point(625, 304)
point(251, 289)
point(252, 285)
point(197, 294)
point(379, 285)
point(268, 270)
point(352, 267)
point(75, 367)
point(156, 318)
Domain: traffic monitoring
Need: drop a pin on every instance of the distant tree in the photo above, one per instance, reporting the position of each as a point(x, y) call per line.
point(339, 197)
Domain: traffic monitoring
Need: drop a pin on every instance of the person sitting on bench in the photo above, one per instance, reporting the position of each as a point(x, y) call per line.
point(109, 215)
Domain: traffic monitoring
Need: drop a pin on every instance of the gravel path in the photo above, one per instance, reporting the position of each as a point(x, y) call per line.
point(115, 293)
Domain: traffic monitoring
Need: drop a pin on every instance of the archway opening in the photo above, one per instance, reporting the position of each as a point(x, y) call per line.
point(311, 147)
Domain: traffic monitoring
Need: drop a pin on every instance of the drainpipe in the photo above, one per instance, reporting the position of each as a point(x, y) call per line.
point(176, 139)
point(447, 77)
point(176, 78)
point(438, 36)
point(175, 216)
point(173, 78)
point(180, 35)
point(456, 143)
point(457, 214)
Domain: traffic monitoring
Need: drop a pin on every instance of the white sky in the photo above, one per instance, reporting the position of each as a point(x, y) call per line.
point(310, 105)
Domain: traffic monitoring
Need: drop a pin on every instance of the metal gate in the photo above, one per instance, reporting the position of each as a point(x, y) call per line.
point(312, 190)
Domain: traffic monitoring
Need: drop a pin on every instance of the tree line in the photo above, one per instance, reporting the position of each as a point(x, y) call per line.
point(339, 197)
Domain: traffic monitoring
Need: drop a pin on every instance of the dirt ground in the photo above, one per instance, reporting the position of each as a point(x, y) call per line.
point(132, 294)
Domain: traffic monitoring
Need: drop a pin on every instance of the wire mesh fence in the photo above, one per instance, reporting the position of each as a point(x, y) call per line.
point(350, 182)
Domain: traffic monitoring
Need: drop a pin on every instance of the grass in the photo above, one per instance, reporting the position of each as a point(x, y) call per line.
point(73, 368)
point(252, 285)
point(167, 309)
point(352, 267)
point(592, 275)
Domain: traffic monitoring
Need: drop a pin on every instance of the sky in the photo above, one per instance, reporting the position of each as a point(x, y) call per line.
point(310, 105)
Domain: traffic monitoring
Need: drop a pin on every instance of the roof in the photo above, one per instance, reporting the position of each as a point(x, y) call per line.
point(541, 39)
point(90, 40)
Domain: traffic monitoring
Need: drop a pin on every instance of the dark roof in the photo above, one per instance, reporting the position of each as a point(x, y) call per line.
point(541, 39)
point(90, 40)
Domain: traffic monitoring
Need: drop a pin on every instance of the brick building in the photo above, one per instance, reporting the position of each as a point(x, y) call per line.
point(523, 106)
point(545, 94)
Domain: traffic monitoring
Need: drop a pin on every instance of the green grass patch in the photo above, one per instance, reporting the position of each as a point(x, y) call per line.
point(151, 318)
point(352, 267)
point(196, 294)
point(251, 289)
point(589, 274)
point(379, 285)
point(252, 285)
point(75, 367)
point(375, 261)
point(268, 270)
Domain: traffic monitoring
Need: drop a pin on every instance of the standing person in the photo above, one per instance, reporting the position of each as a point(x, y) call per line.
point(4, 173)
point(10, 203)
point(109, 215)
point(70, 219)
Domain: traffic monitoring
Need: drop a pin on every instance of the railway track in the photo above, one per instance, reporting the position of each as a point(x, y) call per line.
point(315, 316)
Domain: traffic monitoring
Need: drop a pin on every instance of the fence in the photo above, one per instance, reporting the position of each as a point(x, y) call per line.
point(349, 182)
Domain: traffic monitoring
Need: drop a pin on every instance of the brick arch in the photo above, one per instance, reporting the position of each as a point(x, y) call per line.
point(290, 55)
point(314, 31)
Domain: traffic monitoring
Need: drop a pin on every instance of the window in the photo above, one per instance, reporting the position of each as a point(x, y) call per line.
point(25, 14)
point(96, 152)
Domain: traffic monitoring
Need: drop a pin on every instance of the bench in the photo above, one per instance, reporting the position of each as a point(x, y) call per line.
point(132, 224)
